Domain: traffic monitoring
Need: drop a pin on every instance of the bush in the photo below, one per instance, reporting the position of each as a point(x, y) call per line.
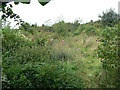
point(109, 18)
point(16, 50)
point(88, 29)
point(36, 53)
point(40, 75)
point(108, 52)
point(43, 38)
point(12, 41)
point(60, 28)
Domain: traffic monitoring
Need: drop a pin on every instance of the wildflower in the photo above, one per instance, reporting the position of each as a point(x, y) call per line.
point(62, 40)
point(78, 48)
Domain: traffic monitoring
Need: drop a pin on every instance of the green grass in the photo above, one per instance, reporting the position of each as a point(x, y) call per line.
point(82, 57)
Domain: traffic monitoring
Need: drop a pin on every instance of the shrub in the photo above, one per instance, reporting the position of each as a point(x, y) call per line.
point(108, 52)
point(40, 75)
point(11, 41)
point(109, 18)
point(43, 38)
point(61, 28)
point(88, 29)
point(36, 53)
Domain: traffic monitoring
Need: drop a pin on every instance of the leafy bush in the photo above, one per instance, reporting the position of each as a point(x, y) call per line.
point(36, 53)
point(108, 52)
point(43, 38)
point(109, 18)
point(61, 28)
point(25, 55)
point(18, 50)
point(88, 29)
point(47, 28)
point(40, 75)
point(11, 41)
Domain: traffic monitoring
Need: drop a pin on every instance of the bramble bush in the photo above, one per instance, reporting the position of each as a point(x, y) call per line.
point(16, 49)
point(43, 38)
point(40, 75)
point(108, 52)
point(11, 41)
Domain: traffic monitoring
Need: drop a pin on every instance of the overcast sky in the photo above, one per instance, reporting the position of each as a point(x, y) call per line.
point(67, 10)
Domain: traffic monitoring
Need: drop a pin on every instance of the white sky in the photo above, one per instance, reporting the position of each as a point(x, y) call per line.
point(67, 10)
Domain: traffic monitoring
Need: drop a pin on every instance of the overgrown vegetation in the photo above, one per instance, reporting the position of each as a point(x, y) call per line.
point(64, 55)
point(108, 52)
point(109, 18)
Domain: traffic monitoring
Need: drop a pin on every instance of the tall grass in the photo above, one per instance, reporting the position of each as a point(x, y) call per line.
point(80, 56)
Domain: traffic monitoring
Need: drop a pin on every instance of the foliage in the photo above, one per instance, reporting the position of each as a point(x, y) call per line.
point(28, 65)
point(49, 56)
point(61, 28)
point(77, 23)
point(108, 50)
point(25, 26)
point(47, 28)
point(40, 75)
point(12, 41)
point(43, 38)
point(8, 13)
point(71, 27)
point(109, 18)
point(88, 29)
point(18, 49)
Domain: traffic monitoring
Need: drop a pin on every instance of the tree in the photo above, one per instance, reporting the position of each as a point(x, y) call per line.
point(9, 13)
point(109, 18)
point(60, 28)
point(3, 2)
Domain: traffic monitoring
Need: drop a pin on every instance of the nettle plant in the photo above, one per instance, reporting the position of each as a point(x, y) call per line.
point(108, 49)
